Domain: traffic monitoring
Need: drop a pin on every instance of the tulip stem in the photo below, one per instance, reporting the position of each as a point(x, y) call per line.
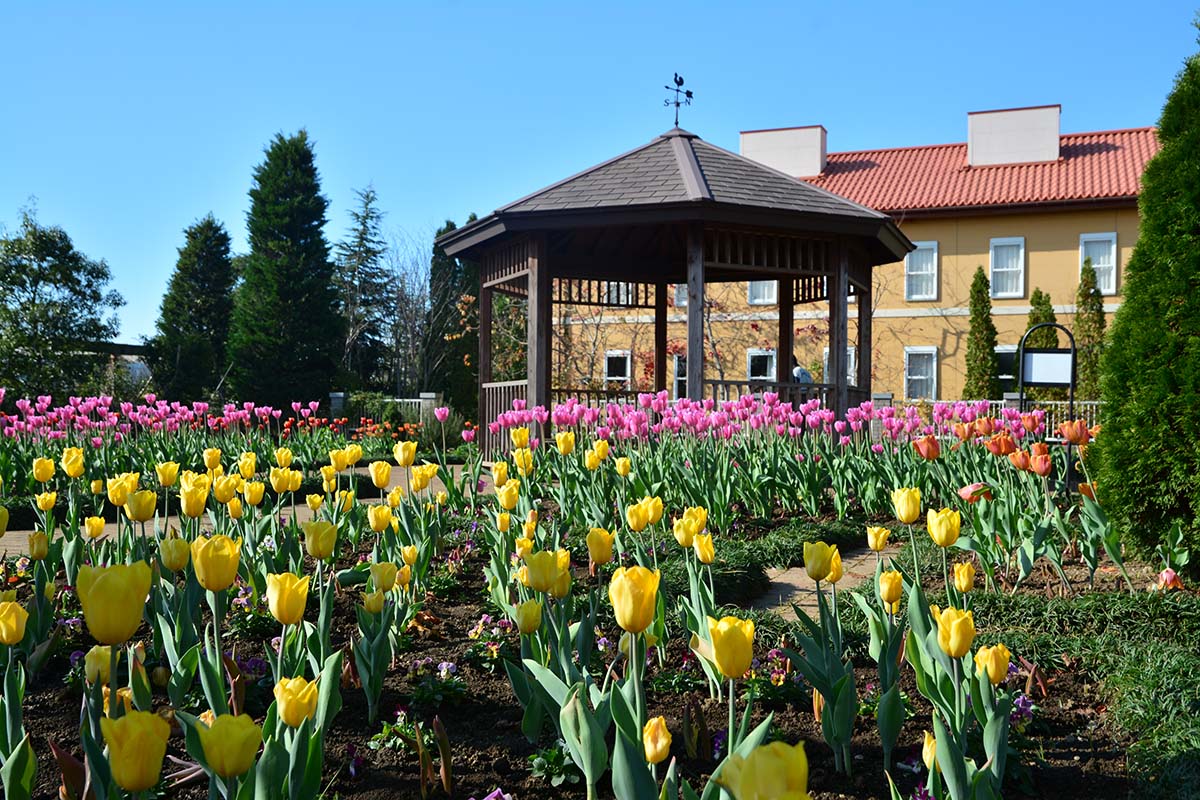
point(730, 744)
point(912, 542)
point(113, 654)
point(946, 578)
point(282, 644)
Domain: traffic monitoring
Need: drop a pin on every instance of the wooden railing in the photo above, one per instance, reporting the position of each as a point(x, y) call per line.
point(597, 398)
point(794, 393)
point(495, 399)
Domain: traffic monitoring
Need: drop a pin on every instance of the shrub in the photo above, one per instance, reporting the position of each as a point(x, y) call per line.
point(983, 368)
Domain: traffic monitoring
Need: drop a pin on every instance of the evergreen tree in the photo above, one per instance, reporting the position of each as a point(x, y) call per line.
point(452, 328)
point(364, 290)
point(187, 354)
point(1041, 310)
point(1147, 455)
point(56, 312)
point(1089, 334)
point(983, 368)
point(286, 334)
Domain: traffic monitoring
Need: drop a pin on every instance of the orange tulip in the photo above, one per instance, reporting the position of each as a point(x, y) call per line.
point(1039, 449)
point(1076, 431)
point(1088, 490)
point(1040, 465)
point(1000, 444)
point(963, 430)
point(927, 447)
point(985, 426)
point(1019, 459)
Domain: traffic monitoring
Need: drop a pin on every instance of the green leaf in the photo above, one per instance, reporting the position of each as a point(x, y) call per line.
point(19, 771)
point(631, 779)
point(583, 736)
point(548, 681)
point(756, 737)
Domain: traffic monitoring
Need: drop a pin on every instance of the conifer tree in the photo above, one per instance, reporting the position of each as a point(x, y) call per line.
point(187, 353)
point(364, 292)
point(1042, 310)
point(982, 382)
point(286, 333)
point(1089, 334)
point(1147, 455)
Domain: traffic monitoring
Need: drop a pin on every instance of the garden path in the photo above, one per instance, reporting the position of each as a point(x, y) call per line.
point(792, 585)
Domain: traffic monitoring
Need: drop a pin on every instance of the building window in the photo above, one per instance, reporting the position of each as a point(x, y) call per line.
point(1006, 364)
point(1008, 267)
point(921, 272)
point(680, 376)
point(920, 373)
point(761, 293)
point(619, 294)
point(681, 295)
point(851, 366)
point(617, 366)
point(1101, 248)
point(760, 365)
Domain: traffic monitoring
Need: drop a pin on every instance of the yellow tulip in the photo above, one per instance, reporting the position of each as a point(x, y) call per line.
point(13, 617)
point(403, 576)
point(499, 473)
point(508, 494)
point(562, 583)
point(354, 453)
point(624, 466)
point(253, 491)
point(656, 740)
point(943, 526)
point(380, 518)
point(247, 465)
point(702, 543)
point(817, 558)
point(280, 479)
point(405, 453)
point(383, 575)
point(956, 631)
point(320, 537)
point(193, 496)
point(140, 505)
point(637, 516)
point(225, 488)
point(395, 497)
point(600, 545)
point(329, 475)
point(230, 744)
point(877, 538)
point(72, 462)
point(410, 553)
point(215, 560)
point(835, 566)
point(733, 645)
point(775, 771)
point(601, 448)
point(174, 552)
point(136, 743)
point(993, 660)
point(314, 502)
point(503, 521)
point(119, 489)
point(519, 437)
point(684, 530)
point(633, 592)
point(46, 500)
point(929, 752)
point(422, 475)
point(3, 521)
point(287, 595)
point(93, 527)
point(339, 460)
point(167, 472)
point(113, 599)
point(891, 586)
point(234, 508)
point(441, 498)
point(39, 545)
point(97, 664)
point(523, 546)
point(97, 486)
point(283, 457)
point(964, 576)
point(529, 616)
point(907, 504)
point(591, 460)
point(296, 700)
point(124, 697)
point(373, 602)
point(698, 515)
point(212, 458)
point(565, 441)
point(543, 569)
point(381, 474)
point(43, 470)
point(654, 508)
point(523, 460)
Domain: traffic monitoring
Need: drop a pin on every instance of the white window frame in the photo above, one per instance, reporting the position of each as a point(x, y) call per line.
point(1003, 241)
point(1111, 238)
point(681, 294)
point(627, 355)
point(909, 295)
point(676, 377)
point(773, 298)
point(851, 365)
point(1007, 348)
point(922, 350)
point(618, 293)
point(761, 351)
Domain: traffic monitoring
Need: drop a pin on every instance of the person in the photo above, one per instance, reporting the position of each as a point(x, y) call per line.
point(799, 373)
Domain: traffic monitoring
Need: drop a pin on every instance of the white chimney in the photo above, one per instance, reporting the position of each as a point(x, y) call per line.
point(1013, 135)
point(800, 152)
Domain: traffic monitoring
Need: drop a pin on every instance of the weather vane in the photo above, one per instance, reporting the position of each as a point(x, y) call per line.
point(685, 100)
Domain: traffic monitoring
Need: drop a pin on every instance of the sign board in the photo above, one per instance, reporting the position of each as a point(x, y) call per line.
point(1049, 367)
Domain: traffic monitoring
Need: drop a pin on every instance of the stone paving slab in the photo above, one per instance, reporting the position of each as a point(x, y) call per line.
point(792, 585)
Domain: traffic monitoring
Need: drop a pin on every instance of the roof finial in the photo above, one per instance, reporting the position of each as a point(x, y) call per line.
point(678, 89)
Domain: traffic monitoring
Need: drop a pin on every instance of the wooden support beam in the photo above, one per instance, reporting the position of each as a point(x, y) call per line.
point(695, 312)
point(784, 295)
point(865, 310)
point(660, 337)
point(838, 328)
point(538, 326)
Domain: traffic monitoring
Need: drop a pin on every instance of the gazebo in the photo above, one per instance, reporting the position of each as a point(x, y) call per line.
point(678, 210)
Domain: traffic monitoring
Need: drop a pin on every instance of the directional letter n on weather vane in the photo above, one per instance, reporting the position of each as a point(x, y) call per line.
point(683, 97)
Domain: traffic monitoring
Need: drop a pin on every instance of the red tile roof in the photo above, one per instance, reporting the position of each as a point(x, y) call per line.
point(1104, 165)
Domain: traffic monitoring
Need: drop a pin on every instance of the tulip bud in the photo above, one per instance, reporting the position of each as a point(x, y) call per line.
point(877, 538)
point(320, 538)
point(174, 552)
point(296, 700)
point(287, 596)
point(907, 504)
point(283, 457)
point(994, 661)
point(600, 545)
point(733, 645)
point(529, 616)
point(373, 602)
point(891, 586)
point(702, 543)
point(43, 470)
point(39, 545)
point(13, 618)
point(956, 631)
point(624, 467)
point(230, 744)
point(964, 576)
point(215, 560)
point(943, 526)
point(656, 740)
point(383, 575)
point(633, 592)
point(817, 558)
point(381, 474)
point(136, 743)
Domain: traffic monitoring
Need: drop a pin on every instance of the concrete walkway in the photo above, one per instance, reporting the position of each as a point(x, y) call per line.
point(792, 585)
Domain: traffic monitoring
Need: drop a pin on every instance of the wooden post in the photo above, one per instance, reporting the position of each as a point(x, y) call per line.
point(838, 332)
point(787, 331)
point(864, 335)
point(695, 312)
point(485, 359)
point(660, 337)
point(538, 327)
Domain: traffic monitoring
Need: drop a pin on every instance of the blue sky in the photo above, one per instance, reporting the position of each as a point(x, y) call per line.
point(128, 121)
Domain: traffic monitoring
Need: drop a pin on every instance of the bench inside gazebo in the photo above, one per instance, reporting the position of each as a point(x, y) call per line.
point(678, 210)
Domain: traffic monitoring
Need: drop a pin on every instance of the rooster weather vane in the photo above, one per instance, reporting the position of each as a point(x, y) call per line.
point(685, 100)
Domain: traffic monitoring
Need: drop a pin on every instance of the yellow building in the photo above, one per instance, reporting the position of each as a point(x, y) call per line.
point(1018, 198)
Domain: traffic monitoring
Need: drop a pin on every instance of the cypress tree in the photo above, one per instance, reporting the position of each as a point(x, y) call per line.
point(187, 354)
point(364, 292)
point(982, 382)
point(286, 332)
point(1147, 455)
point(1089, 334)
point(1041, 310)
point(451, 361)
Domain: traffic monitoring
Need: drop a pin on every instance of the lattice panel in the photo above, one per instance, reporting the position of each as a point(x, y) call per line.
point(742, 249)
point(609, 294)
point(503, 263)
point(809, 289)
